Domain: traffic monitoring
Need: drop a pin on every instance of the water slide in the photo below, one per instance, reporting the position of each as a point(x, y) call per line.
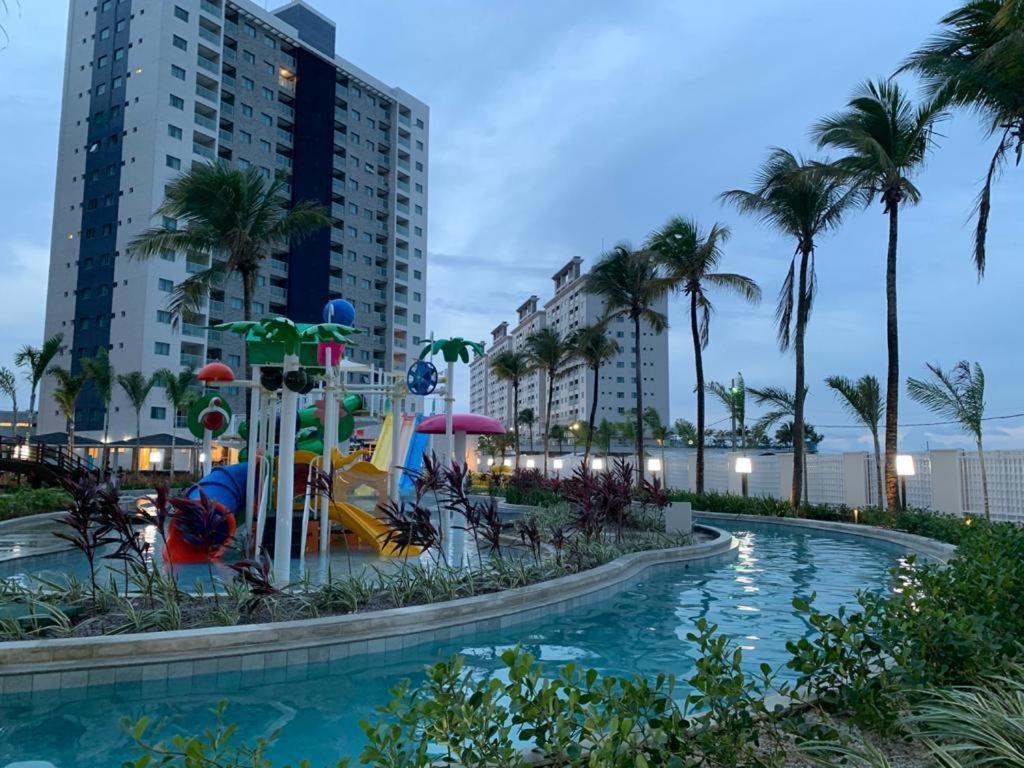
point(418, 443)
point(369, 529)
point(382, 453)
point(225, 485)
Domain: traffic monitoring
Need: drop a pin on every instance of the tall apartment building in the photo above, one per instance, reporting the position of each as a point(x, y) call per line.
point(152, 87)
point(569, 308)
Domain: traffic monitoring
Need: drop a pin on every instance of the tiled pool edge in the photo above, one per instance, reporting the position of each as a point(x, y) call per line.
point(36, 666)
point(921, 545)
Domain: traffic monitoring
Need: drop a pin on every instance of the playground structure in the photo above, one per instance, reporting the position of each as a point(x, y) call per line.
point(287, 446)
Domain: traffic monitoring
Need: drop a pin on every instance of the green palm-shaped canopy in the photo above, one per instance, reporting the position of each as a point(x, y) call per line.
point(453, 349)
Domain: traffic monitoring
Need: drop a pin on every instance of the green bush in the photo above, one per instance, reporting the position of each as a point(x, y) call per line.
point(31, 501)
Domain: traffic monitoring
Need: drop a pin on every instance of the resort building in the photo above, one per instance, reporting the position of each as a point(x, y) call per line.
point(151, 88)
point(569, 308)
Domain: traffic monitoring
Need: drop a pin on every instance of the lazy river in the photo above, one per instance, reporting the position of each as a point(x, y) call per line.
point(641, 629)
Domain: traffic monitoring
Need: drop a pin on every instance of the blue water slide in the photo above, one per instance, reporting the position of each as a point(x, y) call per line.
point(414, 456)
point(225, 485)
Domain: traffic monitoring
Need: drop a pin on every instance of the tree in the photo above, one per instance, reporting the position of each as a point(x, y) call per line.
point(136, 387)
point(863, 400)
point(592, 345)
point(781, 402)
point(100, 372)
point(974, 63)
point(527, 419)
point(631, 284)
point(35, 361)
point(557, 433)
point(9, 387)
point(511, 366)
point(603, 435)
point(179, 396)
point(65, 394)
point(659, 432)
point(690, 258)
point(237, 218)
point(802, 200)
point(887, 139)
point(686, 431)
point(957, 395)
point(734, 399)
point(548, 351)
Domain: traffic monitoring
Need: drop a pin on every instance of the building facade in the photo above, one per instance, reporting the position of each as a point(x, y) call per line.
point(152, 87)
point(570, 307)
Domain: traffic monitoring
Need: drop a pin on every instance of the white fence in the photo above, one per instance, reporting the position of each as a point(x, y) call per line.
point(945, 480)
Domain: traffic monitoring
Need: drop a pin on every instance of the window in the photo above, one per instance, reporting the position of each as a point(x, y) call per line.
point(117, 82)
point(355, 114)
point(353, 208)
point(268, 94)
point(164, 285)
point(248, 84)
point(352, 232)
point(365, 284)
point(157, 412)
point(249, 57)
point(419, 166)
point(177, 102)
point(418, 253)
point(180, 13)
point(419, 145)
point(178, 72)
point(118, 54)
point(257, 308)
point(163, 316)
point(419, 187)
point(170, 223)
point(162, 348)
point(266, 119)
point(244, 137)
point(418, 231)
point(418, 209)
point(120, 26)
point(269, 68)
point(173, 163)
point(167, 255)
point(264, 145)
point(243, 163)
point(234, 361)
point(104, 33)
point(101, 61)
point(247, 110)
point(419, 123)
point(417, 296)
point(250, 30)
point(101, 89)
point(417, 275)
point(179, 42)
point(236, 303)
point(416, 318)
point(350, 279)
point(353, 138)
point(106, 5)
point(270, 41)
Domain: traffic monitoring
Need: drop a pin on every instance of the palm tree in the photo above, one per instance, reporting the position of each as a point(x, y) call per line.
point(69, 387)
point(887, 139)
point(235, 215)
point(557, 433)
point(136, 386)
point(548, 351)
point(35, 361)
point(527, 419)
point(593, 345)
point(783, 405)
point(686, 431)
point(9, 387)
point(690, 258)
point(631, 284)
point(511, 366)
point(659, 432)
point(100, 371)
point(863, 400)
point(733, 398)
point(179, 395)
point(958, 395)
point(974, 63)
point(603, 435)
point(802, 200)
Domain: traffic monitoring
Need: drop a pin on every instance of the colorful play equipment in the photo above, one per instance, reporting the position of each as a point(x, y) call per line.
point(461, 425)
point(303, 396)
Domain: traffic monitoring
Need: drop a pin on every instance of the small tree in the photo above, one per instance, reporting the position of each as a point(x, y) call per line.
point(733, 398)
point(958, 395)
point(69, 387)
point(136, 386)
point(593, 345)
point(548, 351)
point(686, 431)
point(659, 431)
point(512, 366)
point(863, 400)
point(557, 433)
point(9, 387)
point(179, 396)
point(35, 361)
point(528, 419)
point(100, 372)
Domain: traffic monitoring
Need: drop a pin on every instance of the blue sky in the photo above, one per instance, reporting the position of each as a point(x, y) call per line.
point(559, 128)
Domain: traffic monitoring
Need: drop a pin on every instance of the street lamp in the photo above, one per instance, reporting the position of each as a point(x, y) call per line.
point(597, 464)
point(558, 464)
point(654, 466)
point(904, 469)
point(531, 464)
point(744, 466)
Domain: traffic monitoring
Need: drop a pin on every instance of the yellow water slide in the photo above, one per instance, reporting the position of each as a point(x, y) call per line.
point(382, 453)
point(369, 529)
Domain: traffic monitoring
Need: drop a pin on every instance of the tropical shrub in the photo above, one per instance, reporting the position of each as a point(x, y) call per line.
point(31, 501)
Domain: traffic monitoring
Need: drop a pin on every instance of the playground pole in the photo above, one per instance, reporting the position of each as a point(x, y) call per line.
point(449, 404)
point(207, 451)
point(285, 477)
point(253, 443)
point(330, 435)
point(397, 406)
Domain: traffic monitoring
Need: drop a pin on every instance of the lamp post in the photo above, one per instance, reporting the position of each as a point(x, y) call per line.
point(904, 469)
point(744, 466)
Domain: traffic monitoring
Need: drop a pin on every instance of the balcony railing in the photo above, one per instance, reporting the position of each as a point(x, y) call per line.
point(207, 64)
point(279, 265)
point(194, 266)
point(285, 135)
point(225, 135)
point(202, 150)
point(192, 361)
point(216, 308)
point(191, 329)
point(286, 109)
point(278, 292)
point(228, 81)
point(210, 8)
point(404, 119)
point(206, 93)
point(206, 122)
point(230, 54)
point(209, 35)
point(227, 108)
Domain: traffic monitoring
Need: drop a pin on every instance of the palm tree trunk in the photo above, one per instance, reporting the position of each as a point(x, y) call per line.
point(515, 418)
point(593, 414)
point(247, 281)
point(878, 469)
point(984, 480)
point(892, 388)
point(698, 364)
point(547, 419)
point(173, 443)
point(106, 434)
point(136, 463)
point(798, 394)
point(70, 428)
point(31, 412)
point(639, 400)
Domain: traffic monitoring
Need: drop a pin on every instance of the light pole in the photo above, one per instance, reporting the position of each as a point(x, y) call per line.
point(904, 469)
point(744, 466)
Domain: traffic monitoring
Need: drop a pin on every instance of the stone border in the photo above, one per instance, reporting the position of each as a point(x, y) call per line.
point(930, 548)
point(40, 665)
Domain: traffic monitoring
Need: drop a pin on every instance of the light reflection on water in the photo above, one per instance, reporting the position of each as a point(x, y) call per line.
point(640, 630)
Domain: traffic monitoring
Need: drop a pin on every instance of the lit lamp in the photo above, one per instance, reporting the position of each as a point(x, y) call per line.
point(744, 466)
point(904, 469)
point(531, 464)
point(21, 452)
point(558, 464)
point(156, 458)
point(654, 465)
point(597, 464)
point(507, 462)
point(490, 462)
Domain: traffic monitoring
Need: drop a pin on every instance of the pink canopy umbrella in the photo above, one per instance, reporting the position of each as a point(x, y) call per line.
point(462, 424)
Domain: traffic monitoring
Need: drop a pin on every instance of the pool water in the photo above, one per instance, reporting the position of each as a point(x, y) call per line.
point(640, 630)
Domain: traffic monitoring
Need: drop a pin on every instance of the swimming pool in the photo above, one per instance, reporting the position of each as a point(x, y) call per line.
point(640, 630)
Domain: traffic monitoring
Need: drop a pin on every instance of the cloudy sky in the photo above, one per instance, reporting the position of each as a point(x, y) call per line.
point(560, 128)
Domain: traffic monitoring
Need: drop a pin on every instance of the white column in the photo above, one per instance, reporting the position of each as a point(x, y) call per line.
point(285, 478)
point(255, 424)
point(395, 475)
point(855, 479)
point(449, 405)
point(947, 482)
point(330, 436)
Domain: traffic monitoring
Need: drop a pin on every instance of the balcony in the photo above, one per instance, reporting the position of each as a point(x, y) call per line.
point(202, 150)
point(401, 320)
point(225, 135)
point(284, 161)
point(227, 108)
point(209, 35)
point(231, 28)
point(278, 292)
point(381, 272)
point(228, 81)
point(337, 211)
point(216, 308)
point(206, 93)
point(404, 119)
point(404, 140)
point(286, 84)
point(283, 134)
point(336, 284)
point(208, 64)
point(194, 266)
point(286, 110)
point(191, 361)
point(279, 265)
point(402, 230)
point(206, 122)
point(210, 8)
point(338, 187)
point(340, 114)
point(193, 330)
point(337, 236)
point(230, 54)
point(404, 164)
